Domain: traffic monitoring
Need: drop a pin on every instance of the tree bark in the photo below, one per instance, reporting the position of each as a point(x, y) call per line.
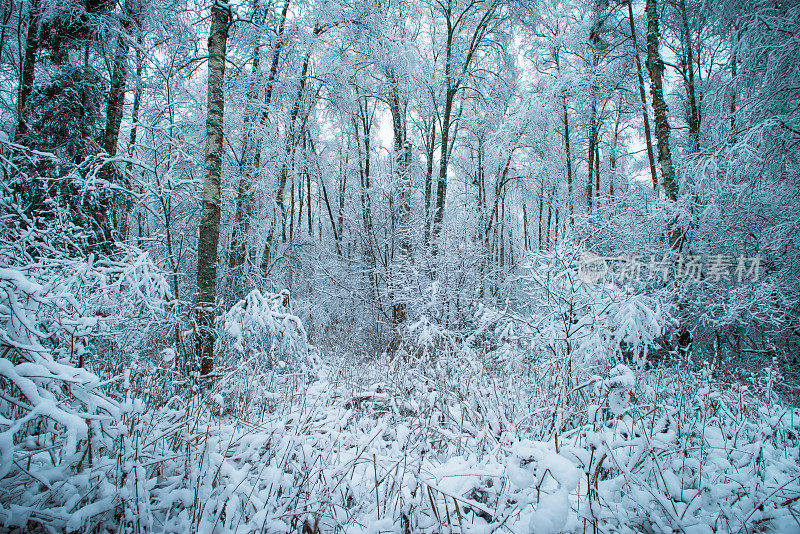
point(526, 243)
point(597, 170)
point(643, 98)
point(613, 157)
point(430, 147)
point(28, 68)
point(656, 68)
point(116, 97)
point(441, 184)
point(569, 162)
point(541, 211)
point(402, 156)
point(734, 82)
point(600, 7)
point(590, 177)
point(321, 181)
point(209, 222)
point(694, 114)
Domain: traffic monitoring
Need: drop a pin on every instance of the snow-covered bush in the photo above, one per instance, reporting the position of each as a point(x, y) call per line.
point(262, 331)
point(59, 425)
point(590, 322)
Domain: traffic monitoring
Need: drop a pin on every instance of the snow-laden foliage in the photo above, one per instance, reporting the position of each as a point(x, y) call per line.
point(262, 330)
point(393, 448)
point(59, 425)
point(589, 322)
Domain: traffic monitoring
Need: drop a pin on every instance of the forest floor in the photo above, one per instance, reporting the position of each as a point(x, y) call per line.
point(383, 445)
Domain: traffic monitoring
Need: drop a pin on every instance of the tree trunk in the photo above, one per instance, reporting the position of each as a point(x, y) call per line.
point(526, 243)
point(734, 82)
point(114, 109)
point(321, 182)
point(569, 162)
point(613, 157)
point(342, 189)
point(441, 185)
point(549, 218)
point(590, 178)
point(116, 97)
point(209, 222)
point(308, 188)
point(402, 156)
point(596, 30)
point(28, 68)
point(643, 98)
point(597, 170)
point(541, 210)
point(656, 68)
point(430, 147)
point(137, 99)
point(694, 114)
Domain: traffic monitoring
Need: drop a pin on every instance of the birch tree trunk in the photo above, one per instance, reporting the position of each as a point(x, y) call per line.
point(209, 222)
point(656, 68)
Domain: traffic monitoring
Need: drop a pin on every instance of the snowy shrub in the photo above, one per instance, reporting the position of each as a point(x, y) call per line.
point(58, 424)
point(262, 331)
point(425, 339)
point(594, 323)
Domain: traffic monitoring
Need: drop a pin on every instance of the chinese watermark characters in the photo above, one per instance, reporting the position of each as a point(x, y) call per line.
point(714, 268)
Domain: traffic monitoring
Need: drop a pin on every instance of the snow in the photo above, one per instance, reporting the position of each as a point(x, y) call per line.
point(460, 437)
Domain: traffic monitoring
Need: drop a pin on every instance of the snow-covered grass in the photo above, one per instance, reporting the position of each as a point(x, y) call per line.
point(518, 426)
point(396, 447)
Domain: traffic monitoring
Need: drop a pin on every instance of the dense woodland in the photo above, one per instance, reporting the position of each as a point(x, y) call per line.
point(400, 266)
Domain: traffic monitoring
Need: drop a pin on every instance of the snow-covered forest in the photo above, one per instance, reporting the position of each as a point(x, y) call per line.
point(411, 266)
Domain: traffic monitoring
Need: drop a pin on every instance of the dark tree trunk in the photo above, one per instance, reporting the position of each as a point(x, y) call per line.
point(613, 157)
point(590, 177)
point(734, 83)
point(28, 68)
point(321, 182)
point(643, 98)
point(694, 114)
point(308, 188)
point(541, 211)
point(569, 162)
point(595, 32)
point(430, 147)
point(450, 93)
point(526, 243)
point(116, 97)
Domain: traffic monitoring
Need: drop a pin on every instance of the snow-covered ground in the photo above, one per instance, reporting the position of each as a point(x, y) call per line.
point(481, 434)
